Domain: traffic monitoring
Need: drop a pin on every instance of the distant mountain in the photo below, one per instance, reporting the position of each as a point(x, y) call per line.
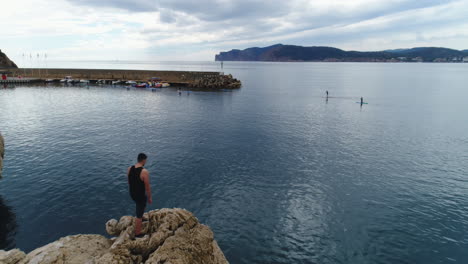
point(431, 53)
point(281, 52)
point(5, 62)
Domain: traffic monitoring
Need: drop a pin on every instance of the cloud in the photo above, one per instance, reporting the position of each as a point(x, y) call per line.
point(142, 28)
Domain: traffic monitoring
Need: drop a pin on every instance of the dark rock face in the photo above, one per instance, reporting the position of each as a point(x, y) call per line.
point(2, 153)
point(5, 62)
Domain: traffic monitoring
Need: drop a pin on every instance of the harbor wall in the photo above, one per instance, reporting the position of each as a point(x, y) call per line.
point(96, 74)
point(192, 79)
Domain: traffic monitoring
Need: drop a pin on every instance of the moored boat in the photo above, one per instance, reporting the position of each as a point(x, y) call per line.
point(67, 79)
point(141, 85)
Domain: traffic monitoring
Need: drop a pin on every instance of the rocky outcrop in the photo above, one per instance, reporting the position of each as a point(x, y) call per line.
point(11, 257)
point(2, 153)
point(171, 236)
point(216, 82)
point(5, 62)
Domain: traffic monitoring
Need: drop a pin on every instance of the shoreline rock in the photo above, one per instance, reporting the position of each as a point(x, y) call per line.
point(171, 236)
point(5, 62)
point(2, 153)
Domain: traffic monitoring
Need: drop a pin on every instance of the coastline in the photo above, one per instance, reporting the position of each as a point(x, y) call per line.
point(171, 236)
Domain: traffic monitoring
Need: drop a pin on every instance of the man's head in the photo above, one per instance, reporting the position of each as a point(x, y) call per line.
point(142, 158)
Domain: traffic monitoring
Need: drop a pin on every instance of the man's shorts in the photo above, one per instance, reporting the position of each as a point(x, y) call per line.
point(140, 207)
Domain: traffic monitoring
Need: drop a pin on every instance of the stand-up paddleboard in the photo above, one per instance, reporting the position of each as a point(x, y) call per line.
point(360, 103)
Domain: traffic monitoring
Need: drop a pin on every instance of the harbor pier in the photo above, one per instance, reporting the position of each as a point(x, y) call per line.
point(191, 79)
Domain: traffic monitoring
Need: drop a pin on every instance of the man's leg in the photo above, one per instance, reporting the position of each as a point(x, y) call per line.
point(137, 226)
point(140, 209)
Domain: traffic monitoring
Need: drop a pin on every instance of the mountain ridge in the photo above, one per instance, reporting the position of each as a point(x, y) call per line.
point(280, 52)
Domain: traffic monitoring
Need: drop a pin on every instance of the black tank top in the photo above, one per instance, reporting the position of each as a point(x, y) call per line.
point(137, 186)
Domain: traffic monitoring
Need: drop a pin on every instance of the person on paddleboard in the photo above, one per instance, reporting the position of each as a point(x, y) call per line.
point(362, 100)
point(327, 93)
point(140, 189)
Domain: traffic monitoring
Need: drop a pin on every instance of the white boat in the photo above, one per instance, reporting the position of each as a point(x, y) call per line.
point(116, 82)
point(131, 82)
point(84, 81)
point(67, 79)
point(165, 85)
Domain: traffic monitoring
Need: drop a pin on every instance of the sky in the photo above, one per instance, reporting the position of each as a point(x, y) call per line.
point(180, 30)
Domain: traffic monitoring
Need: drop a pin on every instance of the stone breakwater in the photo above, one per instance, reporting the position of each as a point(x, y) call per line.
point(171, 236)
point(219, 81)
point(209, 80)
point(2, 153)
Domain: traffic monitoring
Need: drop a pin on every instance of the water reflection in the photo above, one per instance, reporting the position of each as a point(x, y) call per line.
point(8, 226)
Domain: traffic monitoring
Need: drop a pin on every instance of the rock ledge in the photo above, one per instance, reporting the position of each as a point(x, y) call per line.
point(172, 236)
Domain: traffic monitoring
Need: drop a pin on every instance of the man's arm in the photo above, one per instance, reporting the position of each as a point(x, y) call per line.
point(146, 179)
point(128, 172)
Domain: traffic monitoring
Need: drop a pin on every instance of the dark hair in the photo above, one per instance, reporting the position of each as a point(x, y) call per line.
point(142, 157)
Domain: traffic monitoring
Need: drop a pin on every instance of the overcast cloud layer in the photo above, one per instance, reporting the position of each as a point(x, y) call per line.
point(197, 30)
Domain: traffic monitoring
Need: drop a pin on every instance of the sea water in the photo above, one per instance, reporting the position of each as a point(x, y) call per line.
point(280, 173)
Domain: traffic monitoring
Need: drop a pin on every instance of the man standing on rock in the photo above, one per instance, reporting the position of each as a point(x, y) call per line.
point(140, 189)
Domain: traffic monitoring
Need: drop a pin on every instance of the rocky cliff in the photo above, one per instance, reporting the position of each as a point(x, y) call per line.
point(171, 236)
point(2, 153)
point(5, 62)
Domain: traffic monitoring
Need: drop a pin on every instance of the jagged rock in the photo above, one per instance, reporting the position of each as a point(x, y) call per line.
point(172, 236)
point(11, 257)
point(70, 249)
point(2, 153)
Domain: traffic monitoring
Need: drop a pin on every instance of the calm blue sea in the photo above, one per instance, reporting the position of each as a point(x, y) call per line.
point(279, 173)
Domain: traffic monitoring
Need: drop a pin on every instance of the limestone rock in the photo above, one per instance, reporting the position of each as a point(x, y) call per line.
point(171, 236)
point(11, 257)
point(71, 249)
